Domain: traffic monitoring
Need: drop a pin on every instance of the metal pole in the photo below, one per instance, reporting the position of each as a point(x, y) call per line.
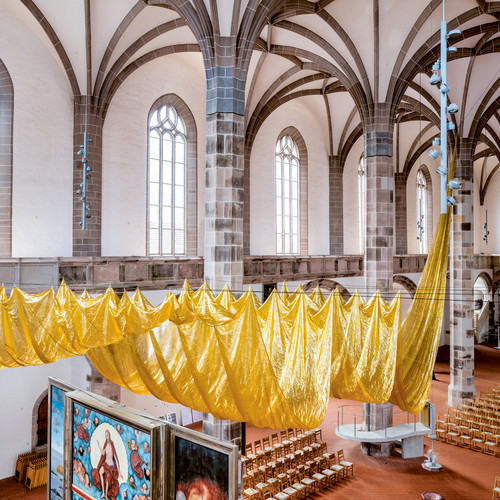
point(444, 118)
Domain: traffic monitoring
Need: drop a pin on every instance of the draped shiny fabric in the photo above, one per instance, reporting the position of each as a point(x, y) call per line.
point(273, 364)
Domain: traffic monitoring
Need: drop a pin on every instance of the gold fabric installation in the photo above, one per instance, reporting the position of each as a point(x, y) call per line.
point(273, 364)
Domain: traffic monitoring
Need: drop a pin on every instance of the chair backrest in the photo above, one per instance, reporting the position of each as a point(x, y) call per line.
point(290, 433)
point(497, 482)
point(257, 445)
point(265, 442)
point(248, 449)
point(340, 455)
point(247, 482)
point(274, 438)
point(322, 448)
point(284, 482)
point(283, 435)
point(292, 475)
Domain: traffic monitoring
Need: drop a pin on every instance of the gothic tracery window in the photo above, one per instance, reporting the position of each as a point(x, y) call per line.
point(167, 182)
point(422, 212)
point(287, 196)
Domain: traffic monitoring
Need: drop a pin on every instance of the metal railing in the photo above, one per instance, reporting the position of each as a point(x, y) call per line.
point(383, 419)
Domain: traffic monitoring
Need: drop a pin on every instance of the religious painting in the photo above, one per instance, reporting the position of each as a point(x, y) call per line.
point(112, 451)
point(201, 466)
point(55, 445)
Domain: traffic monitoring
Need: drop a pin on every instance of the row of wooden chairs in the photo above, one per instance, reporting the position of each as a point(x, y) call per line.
point(467, 437)
point(271, 448)
point(472, 419)
point(300, 480)
point(292, 460)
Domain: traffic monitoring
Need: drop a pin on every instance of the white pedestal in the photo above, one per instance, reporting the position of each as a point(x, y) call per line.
point(412, 447)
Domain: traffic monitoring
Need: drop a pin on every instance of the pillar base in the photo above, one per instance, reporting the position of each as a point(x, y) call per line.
point(378, 449)
point(458, 395)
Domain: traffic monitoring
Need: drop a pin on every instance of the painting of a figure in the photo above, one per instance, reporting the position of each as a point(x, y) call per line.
point(111, 459)
point(201, 472)
point(55, 486)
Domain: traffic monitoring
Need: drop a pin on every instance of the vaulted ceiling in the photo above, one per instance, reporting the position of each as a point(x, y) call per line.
point(335, 55)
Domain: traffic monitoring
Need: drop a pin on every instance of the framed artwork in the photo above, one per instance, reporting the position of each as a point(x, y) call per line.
point(112, 452)
point(55, 443)
point(171, 418)
point(201, 466)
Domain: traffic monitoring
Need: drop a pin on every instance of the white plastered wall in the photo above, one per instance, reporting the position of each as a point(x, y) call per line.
point(491, 203)
point(42, 202)
point(351, 209)
point(124, 176)
point(262, 181)
point(19, 390)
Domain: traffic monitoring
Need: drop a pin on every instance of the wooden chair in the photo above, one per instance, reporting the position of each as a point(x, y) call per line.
point(339, 469)
point(284, 483)
point(250, 493)
point(452, 434)
point(465, 437)
point(491, 444)
point(441, 429)
point(310, 484)
point(296, 484)
point(349, 466)
point(275, 443)
point(318, 436)
point(477, 441)
point(268, 449)
point(250, 457)
point(496, 488)
point(331, 476)
point(266, 490)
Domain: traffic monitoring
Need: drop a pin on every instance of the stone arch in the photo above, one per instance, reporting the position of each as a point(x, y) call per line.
point(191, 205)
point(34, 417)
point(406, 283)
point(486, 279)
point(6, 130)
point(303, 185)
point(329, 285)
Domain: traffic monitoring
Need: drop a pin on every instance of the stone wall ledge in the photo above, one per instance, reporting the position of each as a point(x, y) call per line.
point(34, 274)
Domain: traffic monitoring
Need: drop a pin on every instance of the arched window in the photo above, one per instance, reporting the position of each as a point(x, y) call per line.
point(172, 179)
point(6, 134)
point(287, 196)
point(361, 203)
point(421, 212)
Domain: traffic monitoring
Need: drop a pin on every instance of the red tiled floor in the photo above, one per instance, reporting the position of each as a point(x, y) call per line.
point(467, 475)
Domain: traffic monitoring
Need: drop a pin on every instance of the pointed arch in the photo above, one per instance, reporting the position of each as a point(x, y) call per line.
point(189, 134)
point(298, 140)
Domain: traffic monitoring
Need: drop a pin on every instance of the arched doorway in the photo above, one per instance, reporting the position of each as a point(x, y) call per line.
point(483, 307)
point(40, 421)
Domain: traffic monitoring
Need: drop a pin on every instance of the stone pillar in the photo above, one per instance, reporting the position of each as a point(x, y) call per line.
point(224, 191)
point(98, 384)
point(224, 172)
point(462, 280)
point(336, 188)
point(228, 430)
point(87, 243)
point(379, 239)
point(400, 214)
